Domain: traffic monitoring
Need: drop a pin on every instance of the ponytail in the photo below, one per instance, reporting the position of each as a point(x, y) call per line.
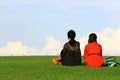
point(71, 34)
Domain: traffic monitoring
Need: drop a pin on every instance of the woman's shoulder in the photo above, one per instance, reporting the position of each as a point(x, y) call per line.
point(93, 44)
point(76, 44)
point(98, 43)
point(66, 44)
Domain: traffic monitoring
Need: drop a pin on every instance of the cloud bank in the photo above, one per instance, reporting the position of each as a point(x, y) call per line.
point(13, 48)
point(109, 39)
point(52, 47)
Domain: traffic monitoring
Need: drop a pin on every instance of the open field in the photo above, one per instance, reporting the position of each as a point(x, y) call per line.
point(41, 68)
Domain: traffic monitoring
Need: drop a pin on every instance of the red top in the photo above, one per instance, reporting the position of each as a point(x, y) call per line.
point(93, 55)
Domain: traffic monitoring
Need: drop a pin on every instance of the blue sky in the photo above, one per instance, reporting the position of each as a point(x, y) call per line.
point(38, 26)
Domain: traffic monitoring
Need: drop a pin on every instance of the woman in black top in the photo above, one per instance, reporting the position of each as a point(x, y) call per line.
point(71, 53)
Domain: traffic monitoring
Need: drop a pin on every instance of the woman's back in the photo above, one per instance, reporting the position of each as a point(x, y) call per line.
point(94, 48)
point(71, 55)
point(93, 52)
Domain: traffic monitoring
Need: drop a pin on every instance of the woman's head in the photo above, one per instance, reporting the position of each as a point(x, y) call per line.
point(92, 38)
point(71, 34)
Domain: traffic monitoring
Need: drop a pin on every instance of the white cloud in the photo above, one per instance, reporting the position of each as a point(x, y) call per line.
point(52, 47)
point(109, 39)
point(13, 48)
point(83, 42)
point(17, 49)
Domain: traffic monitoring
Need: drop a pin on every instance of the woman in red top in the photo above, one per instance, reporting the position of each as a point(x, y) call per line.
point(93, 52)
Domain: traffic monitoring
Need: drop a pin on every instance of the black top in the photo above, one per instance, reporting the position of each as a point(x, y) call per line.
point(71, 56)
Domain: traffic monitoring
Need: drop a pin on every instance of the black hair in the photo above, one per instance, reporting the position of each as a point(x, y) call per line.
point(92, 38)
point(71, 34)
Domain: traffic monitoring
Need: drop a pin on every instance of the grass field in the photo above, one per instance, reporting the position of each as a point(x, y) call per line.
point(41, 68)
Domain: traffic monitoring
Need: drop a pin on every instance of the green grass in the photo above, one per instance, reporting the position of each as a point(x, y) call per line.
point(41, 68)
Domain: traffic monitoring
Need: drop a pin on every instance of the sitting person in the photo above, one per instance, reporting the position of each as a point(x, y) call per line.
point(71, 53)
point(93, 52)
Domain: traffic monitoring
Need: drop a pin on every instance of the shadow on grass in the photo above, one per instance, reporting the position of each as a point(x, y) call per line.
point(83, 64)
